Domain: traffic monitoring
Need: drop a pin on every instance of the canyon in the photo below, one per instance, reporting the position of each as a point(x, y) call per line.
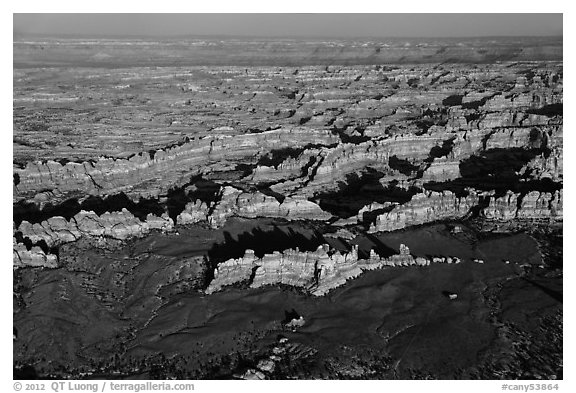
point(170, 198)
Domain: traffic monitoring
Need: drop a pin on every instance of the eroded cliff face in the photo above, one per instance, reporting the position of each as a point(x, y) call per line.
point(433, 206)
point(235, 202)
point(484, 142)
point(57, 230)
point(147, 175)
point(318, 272)
point(397, 147)
point(426, 207)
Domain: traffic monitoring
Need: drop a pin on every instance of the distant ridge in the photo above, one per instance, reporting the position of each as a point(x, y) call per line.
point(123, 52)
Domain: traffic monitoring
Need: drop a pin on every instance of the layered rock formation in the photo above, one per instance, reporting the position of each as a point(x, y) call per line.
point(441, 170)
point(133, 177)
point(315, 271)
point(503, 208)
point(532, 206)
point(57, 230)
point(35, 257)
point(235, 202)
point(545, 166)
point(289, 169)
point(148, 175)
point(193, 212)
point(347, 158)
point(541, 205)
point(284, 142)
point(116, 225)
point(291, 267)
point(426, 207)
point(434, 206)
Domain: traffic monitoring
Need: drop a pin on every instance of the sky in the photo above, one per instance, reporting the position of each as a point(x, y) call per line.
point(292, 25)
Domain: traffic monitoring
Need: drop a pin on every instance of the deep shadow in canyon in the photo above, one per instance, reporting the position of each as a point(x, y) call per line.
point(359, 190)
point(263, 242)
point(498, 170)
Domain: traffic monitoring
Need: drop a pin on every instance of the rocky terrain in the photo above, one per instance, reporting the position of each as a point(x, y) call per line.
point(144, 188)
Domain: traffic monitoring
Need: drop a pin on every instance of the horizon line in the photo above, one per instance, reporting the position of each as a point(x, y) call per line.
point(237, 36)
